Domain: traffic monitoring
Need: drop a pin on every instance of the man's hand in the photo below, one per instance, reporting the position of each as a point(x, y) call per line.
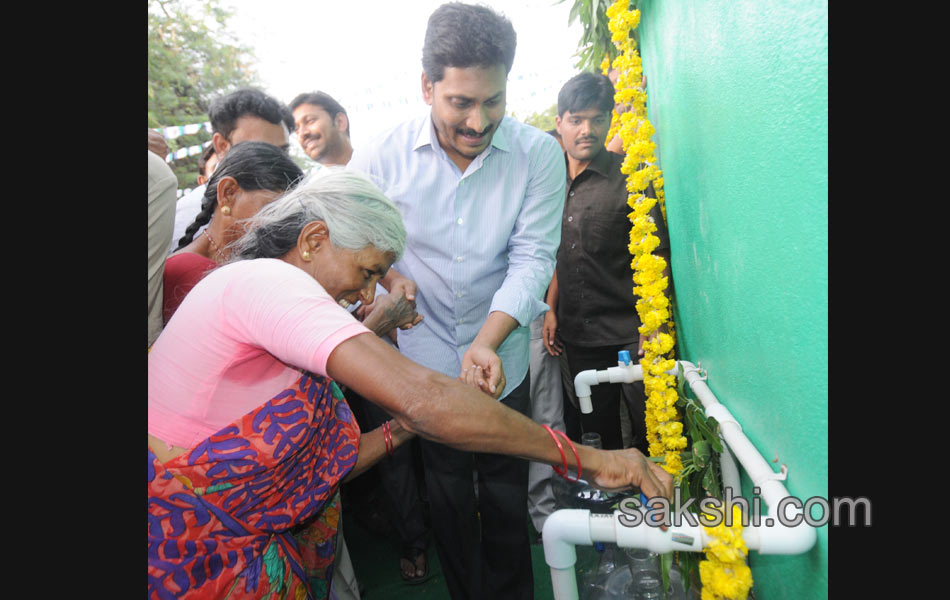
point(481, 368)
point(644, 339)
point(549, 334)
point(396, 283)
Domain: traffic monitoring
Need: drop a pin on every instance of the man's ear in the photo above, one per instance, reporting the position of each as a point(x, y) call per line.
point(342, 123)
point(428, 89)
point(221, 144)
point(557, 124)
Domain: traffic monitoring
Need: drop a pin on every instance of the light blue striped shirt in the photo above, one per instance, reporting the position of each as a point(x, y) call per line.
point(478, 241)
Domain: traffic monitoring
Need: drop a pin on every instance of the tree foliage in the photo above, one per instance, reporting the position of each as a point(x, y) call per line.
point(595, 41)
point(192, 59)
point(543, 120)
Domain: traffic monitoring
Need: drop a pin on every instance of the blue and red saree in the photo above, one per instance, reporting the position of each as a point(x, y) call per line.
point(253, 511)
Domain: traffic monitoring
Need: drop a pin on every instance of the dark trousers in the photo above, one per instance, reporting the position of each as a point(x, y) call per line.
point(397, 476)
point(606, 397)
point(482, 543)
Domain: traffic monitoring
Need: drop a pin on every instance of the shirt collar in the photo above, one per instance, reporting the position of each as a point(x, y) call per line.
point(426, 136)
point(600, 164)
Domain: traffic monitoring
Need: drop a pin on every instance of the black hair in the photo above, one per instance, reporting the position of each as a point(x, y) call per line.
point(464, 35)
point(205, 157)
point(255, 166)
point(324, 101)
point(226, 110)
point(584, 91)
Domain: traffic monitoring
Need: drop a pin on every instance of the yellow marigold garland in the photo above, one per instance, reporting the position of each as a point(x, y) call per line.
point(724, 574)
point(664, 429)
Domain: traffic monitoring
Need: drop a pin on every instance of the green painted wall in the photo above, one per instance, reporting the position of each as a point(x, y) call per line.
point(738, 95)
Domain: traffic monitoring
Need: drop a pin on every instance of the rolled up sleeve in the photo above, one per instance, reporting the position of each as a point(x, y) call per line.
point(535, 238)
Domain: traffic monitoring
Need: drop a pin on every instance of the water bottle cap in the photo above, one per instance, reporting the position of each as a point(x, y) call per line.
point(623, 356)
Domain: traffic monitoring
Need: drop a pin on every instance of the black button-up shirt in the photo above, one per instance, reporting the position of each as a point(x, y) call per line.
point(596, 305)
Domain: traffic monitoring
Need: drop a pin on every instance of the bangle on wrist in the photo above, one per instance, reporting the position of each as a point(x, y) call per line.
point(388, 438)
point(577, 456)
point(562, 471)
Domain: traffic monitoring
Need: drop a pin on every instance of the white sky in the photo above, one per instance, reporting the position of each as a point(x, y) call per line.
point(368, 53)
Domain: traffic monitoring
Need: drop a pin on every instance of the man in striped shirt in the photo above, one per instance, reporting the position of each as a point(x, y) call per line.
point(481, 196)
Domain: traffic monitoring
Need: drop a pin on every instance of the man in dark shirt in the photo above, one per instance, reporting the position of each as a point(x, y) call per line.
point(593, 309)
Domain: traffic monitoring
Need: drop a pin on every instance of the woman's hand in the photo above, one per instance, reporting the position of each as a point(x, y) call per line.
point(621, 468)
point(389, 311)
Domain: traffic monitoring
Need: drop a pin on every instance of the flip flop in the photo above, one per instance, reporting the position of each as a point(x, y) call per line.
point(412, 555)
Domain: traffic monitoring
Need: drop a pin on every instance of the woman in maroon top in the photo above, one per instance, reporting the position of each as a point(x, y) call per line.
point(252, 175)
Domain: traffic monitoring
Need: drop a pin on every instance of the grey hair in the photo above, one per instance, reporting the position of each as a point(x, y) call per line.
point(355, 210)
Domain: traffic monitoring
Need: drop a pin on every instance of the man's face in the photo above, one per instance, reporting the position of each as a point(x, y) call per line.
point(320, 135)
point(210, 166)
point(255, 129)
point(467, 106)
point(583, 133)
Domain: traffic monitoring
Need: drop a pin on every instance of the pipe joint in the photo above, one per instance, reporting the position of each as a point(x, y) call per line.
point(721, 414)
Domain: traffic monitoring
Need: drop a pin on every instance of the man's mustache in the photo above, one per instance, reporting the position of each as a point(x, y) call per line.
point(473, 133)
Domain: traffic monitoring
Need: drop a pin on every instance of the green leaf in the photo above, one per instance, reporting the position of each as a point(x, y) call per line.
point(702, 451)
point(681, 386)
point(710, 481)
point(666, 561)
point(705, 428)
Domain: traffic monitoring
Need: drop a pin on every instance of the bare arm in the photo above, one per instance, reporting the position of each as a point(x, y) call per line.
point(450, 412)
point(373, 447)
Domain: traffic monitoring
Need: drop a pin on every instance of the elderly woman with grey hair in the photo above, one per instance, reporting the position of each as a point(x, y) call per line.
point(248, 435)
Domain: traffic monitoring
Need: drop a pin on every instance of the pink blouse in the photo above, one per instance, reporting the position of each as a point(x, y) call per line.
point(235, 342)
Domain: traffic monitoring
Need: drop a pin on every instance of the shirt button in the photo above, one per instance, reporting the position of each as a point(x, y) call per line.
point(572, 193)
point(570, 218)
point(458, 258)
point(458, 294)
point(459, 221)
point(572, 246)
point(460, 321)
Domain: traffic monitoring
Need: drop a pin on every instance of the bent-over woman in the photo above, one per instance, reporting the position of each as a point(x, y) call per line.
point(248, 434)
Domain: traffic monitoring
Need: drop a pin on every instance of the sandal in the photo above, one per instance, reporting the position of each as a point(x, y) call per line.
point(413, 556)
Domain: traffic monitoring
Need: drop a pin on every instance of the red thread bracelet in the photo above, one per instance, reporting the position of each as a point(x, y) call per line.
point(574, 450)
point(563, 470)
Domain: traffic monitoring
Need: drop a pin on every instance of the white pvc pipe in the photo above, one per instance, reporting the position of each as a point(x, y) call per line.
point(634, 372)
point(567, 527)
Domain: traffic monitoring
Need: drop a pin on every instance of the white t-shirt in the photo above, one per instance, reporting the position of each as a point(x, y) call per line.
point(186, 209)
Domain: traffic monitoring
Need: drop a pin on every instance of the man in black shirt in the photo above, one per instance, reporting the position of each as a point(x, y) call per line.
point(593, 308)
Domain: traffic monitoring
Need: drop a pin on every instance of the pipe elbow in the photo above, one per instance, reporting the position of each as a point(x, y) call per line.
point(787, 539)
point(563, 529)
point(583, 381)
